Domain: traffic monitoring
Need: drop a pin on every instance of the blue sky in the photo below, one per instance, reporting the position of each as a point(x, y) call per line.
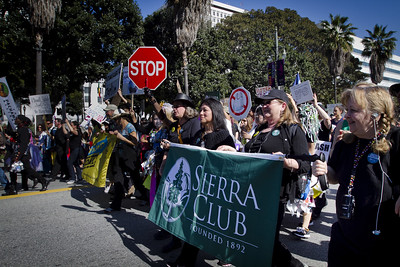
point(362, 14)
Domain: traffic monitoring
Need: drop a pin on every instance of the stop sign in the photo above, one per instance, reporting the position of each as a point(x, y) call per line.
point(147, 67)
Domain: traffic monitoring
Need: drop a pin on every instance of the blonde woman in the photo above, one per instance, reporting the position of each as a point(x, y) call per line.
point(365, 164)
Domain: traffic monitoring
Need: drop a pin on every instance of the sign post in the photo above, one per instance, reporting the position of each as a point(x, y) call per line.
point(147, 67)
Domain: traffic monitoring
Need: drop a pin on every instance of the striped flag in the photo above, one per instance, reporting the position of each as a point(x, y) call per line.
point(297, 79)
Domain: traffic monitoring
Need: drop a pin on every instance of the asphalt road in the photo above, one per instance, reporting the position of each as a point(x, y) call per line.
point(67, 226)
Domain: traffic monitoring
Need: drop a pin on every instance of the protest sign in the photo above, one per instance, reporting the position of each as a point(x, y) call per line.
point(323, 147)
point(262, 91)
point(128, 87)
point(94, 112)
point(98, 158)
point(302, 92)
point(223, 203)
point(239, 103)
point(7, 103)
point(113, 82)
point(40, 104)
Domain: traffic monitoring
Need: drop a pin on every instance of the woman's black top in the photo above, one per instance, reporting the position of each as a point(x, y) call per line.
point(75, 141)
point(218, 138)
point(289, 142)
point(367, 191)
point(23, 139)
point(189, 132)
point(324, 133)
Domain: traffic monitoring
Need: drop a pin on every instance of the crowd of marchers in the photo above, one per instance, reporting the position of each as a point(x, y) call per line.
point(363, 160)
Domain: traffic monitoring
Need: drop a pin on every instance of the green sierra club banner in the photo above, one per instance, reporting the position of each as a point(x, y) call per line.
point(223, 203)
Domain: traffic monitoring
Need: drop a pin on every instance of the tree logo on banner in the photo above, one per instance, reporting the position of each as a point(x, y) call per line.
point(176, 191)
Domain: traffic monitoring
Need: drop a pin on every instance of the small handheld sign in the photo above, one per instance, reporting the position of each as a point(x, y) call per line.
point(302, 92)
point(239, 103)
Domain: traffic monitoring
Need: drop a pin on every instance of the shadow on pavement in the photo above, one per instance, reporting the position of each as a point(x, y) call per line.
point(135, 231)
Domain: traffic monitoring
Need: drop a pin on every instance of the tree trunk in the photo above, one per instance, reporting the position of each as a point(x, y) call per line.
point(376, 67)
point(185, 71)
point(334, 86)
point(39, 43)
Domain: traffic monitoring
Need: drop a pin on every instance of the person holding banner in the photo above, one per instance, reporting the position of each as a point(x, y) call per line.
point(125, 159)
point(185, 130)
point(280, 134)
point(214, 134)
point(365, 164)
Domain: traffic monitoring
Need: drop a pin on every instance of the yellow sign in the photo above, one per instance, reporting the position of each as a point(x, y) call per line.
point(96, 163)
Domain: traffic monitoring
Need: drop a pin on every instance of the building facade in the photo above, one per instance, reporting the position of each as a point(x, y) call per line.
point(220, 11)
point(93, 93)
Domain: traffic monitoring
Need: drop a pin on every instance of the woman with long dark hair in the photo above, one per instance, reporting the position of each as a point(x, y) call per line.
point(214, 134)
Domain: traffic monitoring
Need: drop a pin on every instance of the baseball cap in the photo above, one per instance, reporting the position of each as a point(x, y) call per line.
point(110, 107)
point(119, 113)
point(275, 94)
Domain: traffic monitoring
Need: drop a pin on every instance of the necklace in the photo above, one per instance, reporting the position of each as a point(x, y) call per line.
point(357, 157)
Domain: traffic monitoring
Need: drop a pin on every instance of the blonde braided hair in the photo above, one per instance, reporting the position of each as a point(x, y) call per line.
point(374, 99)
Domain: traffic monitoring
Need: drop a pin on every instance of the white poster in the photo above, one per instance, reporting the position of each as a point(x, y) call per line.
point(95, 112)
point(302, 92)
point(40, 104)
point(113, 82)
point(7, 102)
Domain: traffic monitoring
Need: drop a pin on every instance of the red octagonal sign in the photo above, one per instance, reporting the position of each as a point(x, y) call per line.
point(147, 67)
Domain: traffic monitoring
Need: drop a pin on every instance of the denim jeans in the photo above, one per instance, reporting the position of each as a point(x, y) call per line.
point(3, 178)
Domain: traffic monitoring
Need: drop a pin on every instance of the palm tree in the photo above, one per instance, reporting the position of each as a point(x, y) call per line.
point(189, 15)
point(43, 16)
point(338, 44)
point(379, 45)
